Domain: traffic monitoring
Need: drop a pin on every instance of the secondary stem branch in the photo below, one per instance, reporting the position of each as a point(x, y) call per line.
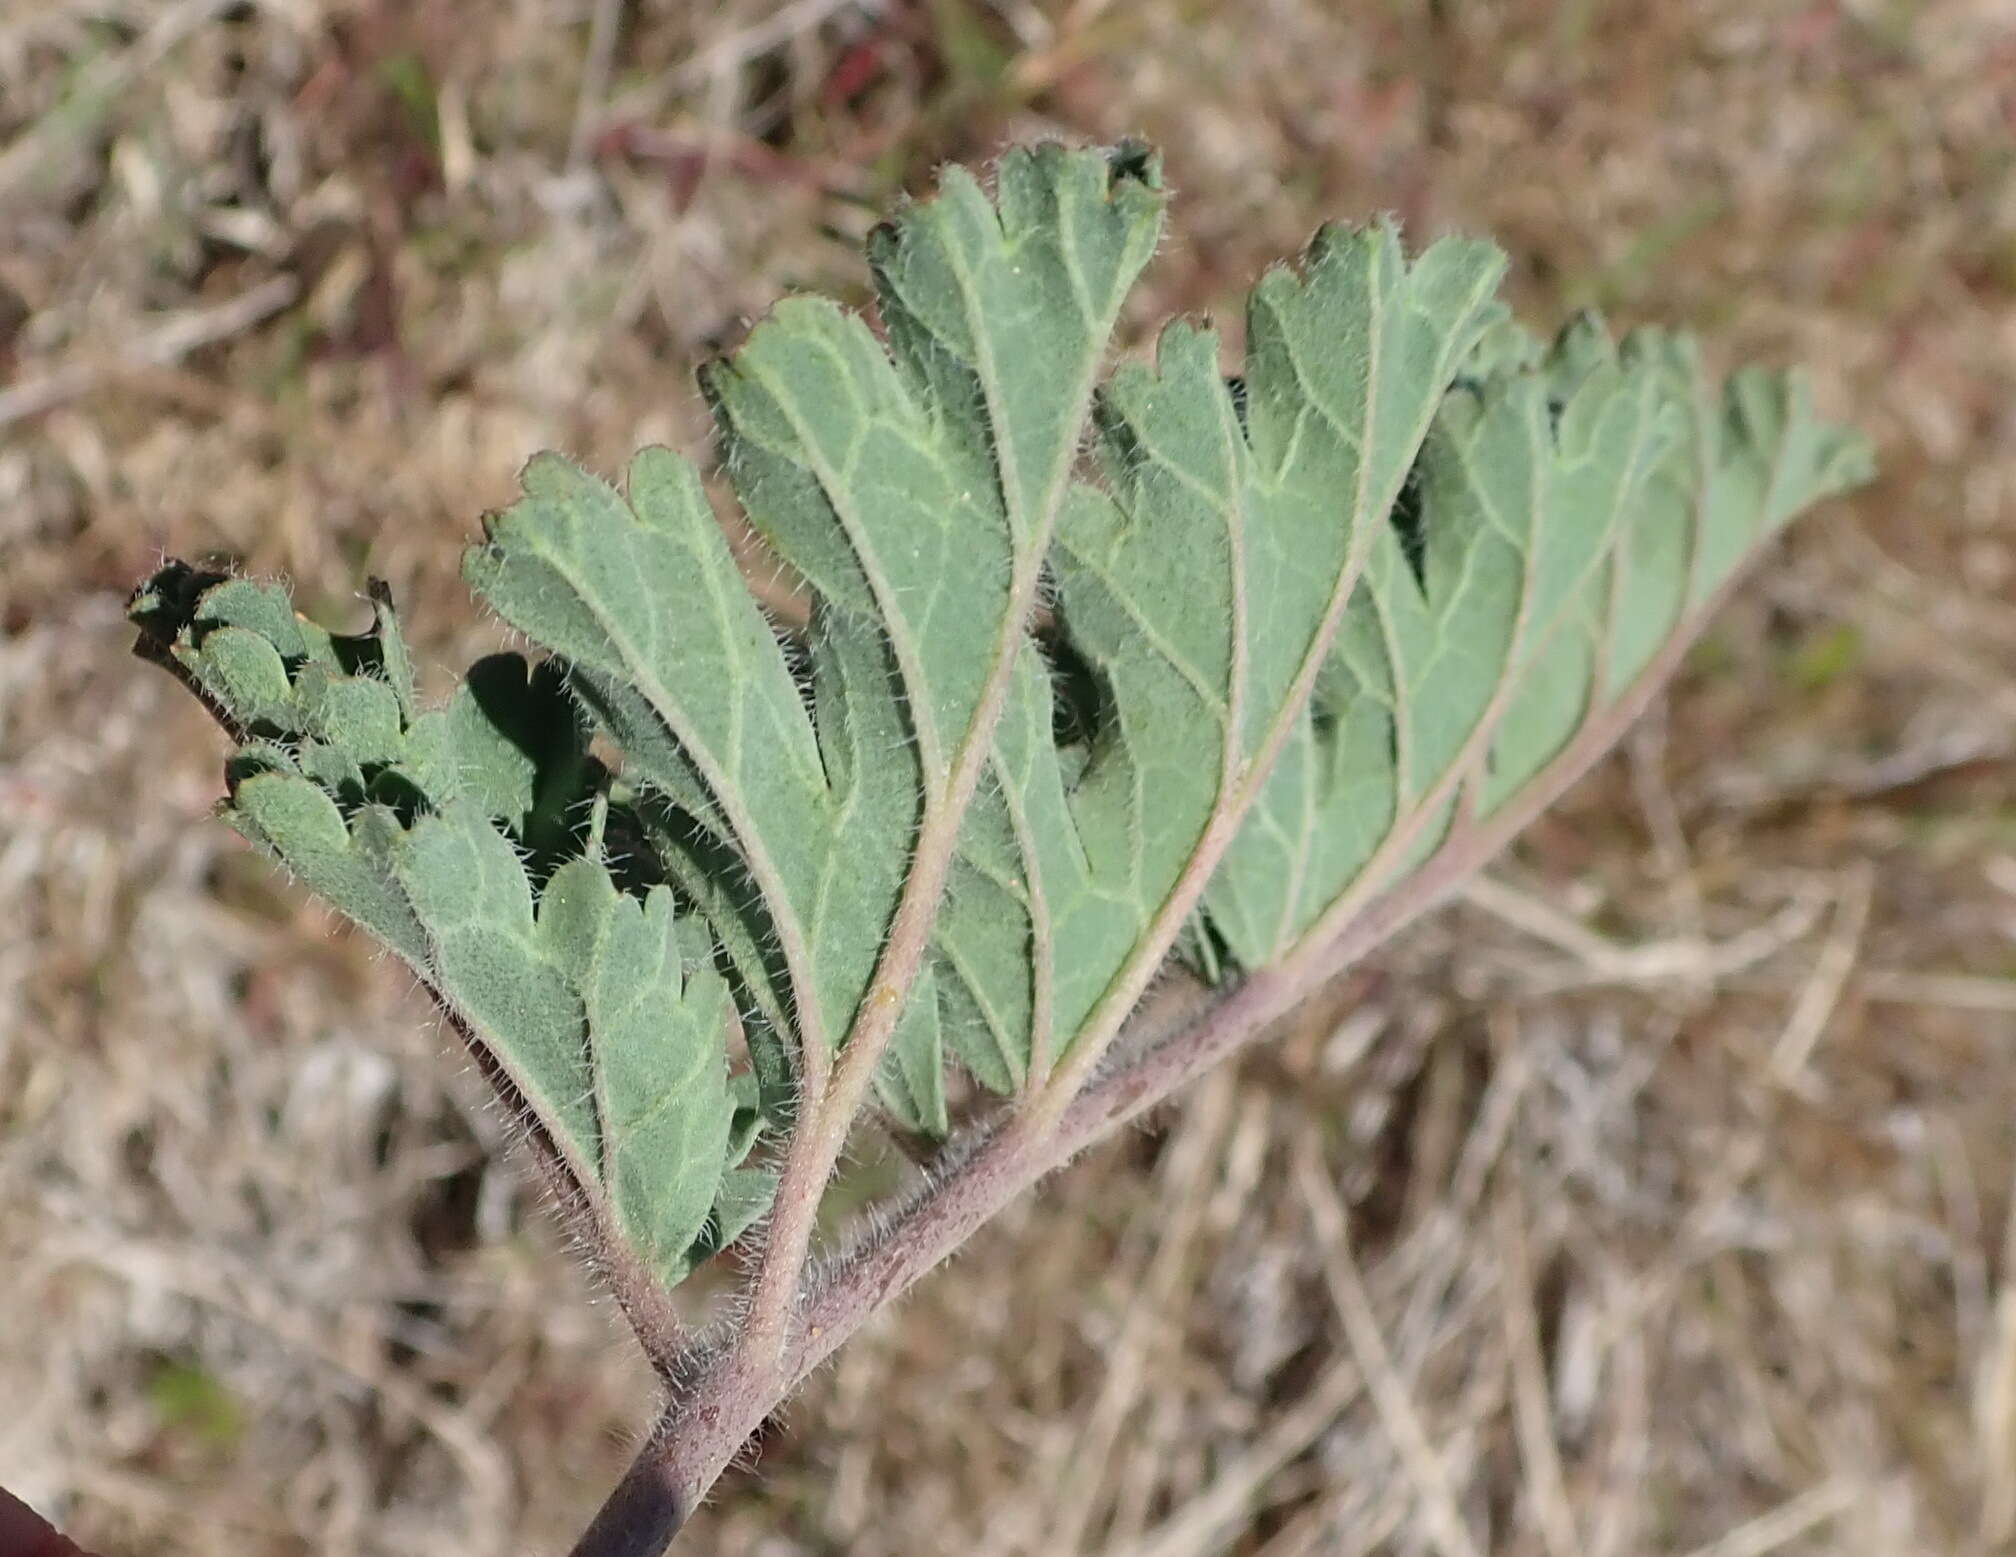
point(726, 1404)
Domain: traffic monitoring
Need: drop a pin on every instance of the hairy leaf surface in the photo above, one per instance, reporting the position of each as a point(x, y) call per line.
point(1101, 661)
point(439, 832)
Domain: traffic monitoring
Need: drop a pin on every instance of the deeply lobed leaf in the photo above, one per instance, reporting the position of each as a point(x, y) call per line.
point(459, 838)
point(1571, 508)
point(1090, 667)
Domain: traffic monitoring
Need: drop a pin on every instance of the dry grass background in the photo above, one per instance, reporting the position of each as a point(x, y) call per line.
point(1660, 1198)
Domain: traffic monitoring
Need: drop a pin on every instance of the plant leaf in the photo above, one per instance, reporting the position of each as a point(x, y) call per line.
point(1199, 578)
point(1571, 508)
point(912, 490)
point(453, 836)
point(917, 490)
point(1306, 623)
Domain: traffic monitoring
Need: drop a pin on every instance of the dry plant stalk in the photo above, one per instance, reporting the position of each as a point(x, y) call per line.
point(1270, 670)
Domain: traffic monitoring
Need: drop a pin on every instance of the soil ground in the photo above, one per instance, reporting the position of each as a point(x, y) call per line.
point(1659, 1198)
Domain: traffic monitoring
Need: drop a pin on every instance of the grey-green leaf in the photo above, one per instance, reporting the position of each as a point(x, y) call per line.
point(1196, 584)
point(1569, 510)
point(1184, 656)
point(599, 1009)
point(917, 488)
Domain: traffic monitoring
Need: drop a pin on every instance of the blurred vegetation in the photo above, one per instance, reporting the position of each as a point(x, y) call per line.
point(1676, 1166)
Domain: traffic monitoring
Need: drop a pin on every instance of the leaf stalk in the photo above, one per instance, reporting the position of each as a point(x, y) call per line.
point(704, 1429)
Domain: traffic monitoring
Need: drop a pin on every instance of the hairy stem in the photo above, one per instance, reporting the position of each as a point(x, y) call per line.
point(1000, 1167)
point(703, 1431)
point(825, 1118)
point(641, 1517)
point(643, 1300)
point(754, 1367)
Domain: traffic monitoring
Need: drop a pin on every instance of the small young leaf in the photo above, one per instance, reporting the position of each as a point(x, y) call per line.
point(598, 1009)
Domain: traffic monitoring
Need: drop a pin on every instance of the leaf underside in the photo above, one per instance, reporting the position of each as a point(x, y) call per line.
point(1188, 653)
